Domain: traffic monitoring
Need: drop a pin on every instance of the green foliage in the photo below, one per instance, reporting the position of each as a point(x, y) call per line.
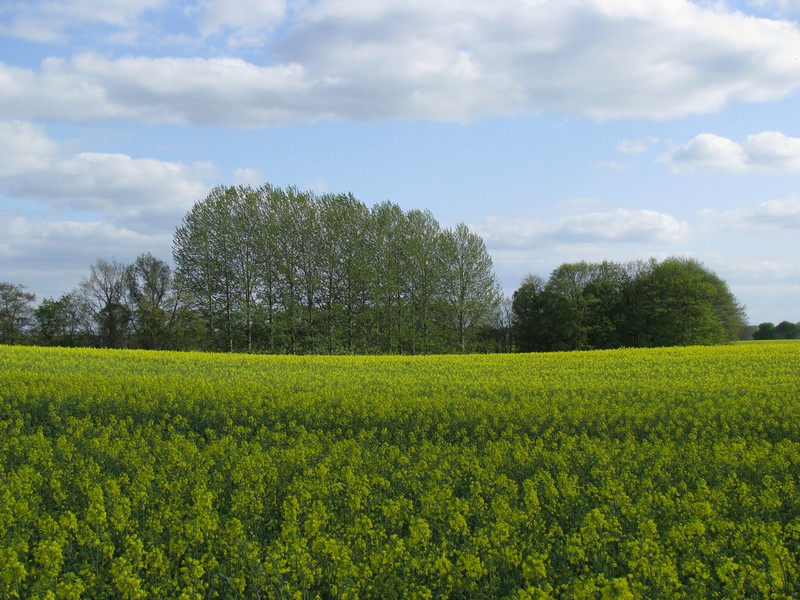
point(285, 271)
point(16, 313)
point(676, 302)
point(783, 331)
point(62, 322)
point(632, 473)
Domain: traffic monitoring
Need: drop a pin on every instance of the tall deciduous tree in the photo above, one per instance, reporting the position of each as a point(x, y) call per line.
point(425, 276)
point(152, 300)
point(197, 264)
point(16, 313)
point(473, 290)
point(104, 292)
point(529, 307)
point(388, 289)
point(343, 271)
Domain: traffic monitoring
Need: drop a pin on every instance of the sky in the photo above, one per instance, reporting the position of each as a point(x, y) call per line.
point(559, 130)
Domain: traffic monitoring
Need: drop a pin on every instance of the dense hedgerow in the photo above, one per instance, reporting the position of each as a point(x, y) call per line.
point(629, 473)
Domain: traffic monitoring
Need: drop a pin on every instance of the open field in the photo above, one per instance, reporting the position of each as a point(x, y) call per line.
point(629, 473)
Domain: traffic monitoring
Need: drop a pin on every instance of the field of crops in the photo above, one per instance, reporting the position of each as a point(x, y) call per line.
point(665, 473)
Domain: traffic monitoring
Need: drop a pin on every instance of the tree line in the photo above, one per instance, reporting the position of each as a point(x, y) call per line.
point(785, 330)
point(285, 271)
point(610, 305)
point(279, 270)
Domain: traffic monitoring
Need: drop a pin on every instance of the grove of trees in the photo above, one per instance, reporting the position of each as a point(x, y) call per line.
point(610, 305)
point(283, 271)
point(785, 330)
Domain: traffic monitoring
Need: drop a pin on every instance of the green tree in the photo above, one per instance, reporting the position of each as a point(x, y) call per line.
point(288, 271)
point(344, 272)
point(197, 266)
point(567, 312)
point(267, 261)
point(63, 322)
point(472, 289)
point(606, 317)
point(529, 306)
point(388, 289)
point(425, 270)
point(786, 330)
point(244, 234)
point(204, 254)
point(295, 222)
point(16, 313)
point(153, 302)
point(608, 305)
point(765, 331)
point(684, 304)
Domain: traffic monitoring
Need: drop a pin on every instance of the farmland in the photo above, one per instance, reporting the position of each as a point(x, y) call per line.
point(666, 472)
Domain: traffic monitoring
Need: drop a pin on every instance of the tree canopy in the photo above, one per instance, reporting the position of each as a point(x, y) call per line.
point(284, 270)
point(609, 305)
point(785, 330)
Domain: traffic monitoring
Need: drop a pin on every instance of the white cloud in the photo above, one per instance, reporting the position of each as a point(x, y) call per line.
point(24, 147)
point(773, 151)
point(144, 193)
point(79, 206)
point(708, 151)
point(773, 216)
point(769, 151)
point(57, 254)
point(456, 60)
point(87, 87)
point(597, 227)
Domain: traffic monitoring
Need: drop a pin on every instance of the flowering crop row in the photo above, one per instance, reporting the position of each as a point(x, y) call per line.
point(627, 473)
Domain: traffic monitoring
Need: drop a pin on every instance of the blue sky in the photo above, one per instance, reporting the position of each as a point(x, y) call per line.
point(558, 130)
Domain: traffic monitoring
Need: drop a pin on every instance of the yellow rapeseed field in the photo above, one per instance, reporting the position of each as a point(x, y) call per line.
point(628, 473)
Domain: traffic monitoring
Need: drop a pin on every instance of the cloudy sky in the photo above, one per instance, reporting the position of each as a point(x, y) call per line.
point(560, 130)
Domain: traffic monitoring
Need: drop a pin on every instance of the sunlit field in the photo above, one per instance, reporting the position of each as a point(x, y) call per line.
point(662, 473)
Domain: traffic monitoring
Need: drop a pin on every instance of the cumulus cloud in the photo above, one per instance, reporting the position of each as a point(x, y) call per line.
point(773, 216)
point(455, 60)
point(226, 90)
point(24, 147)
point(769, 151)
point(596, 227)
point(144, 193)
